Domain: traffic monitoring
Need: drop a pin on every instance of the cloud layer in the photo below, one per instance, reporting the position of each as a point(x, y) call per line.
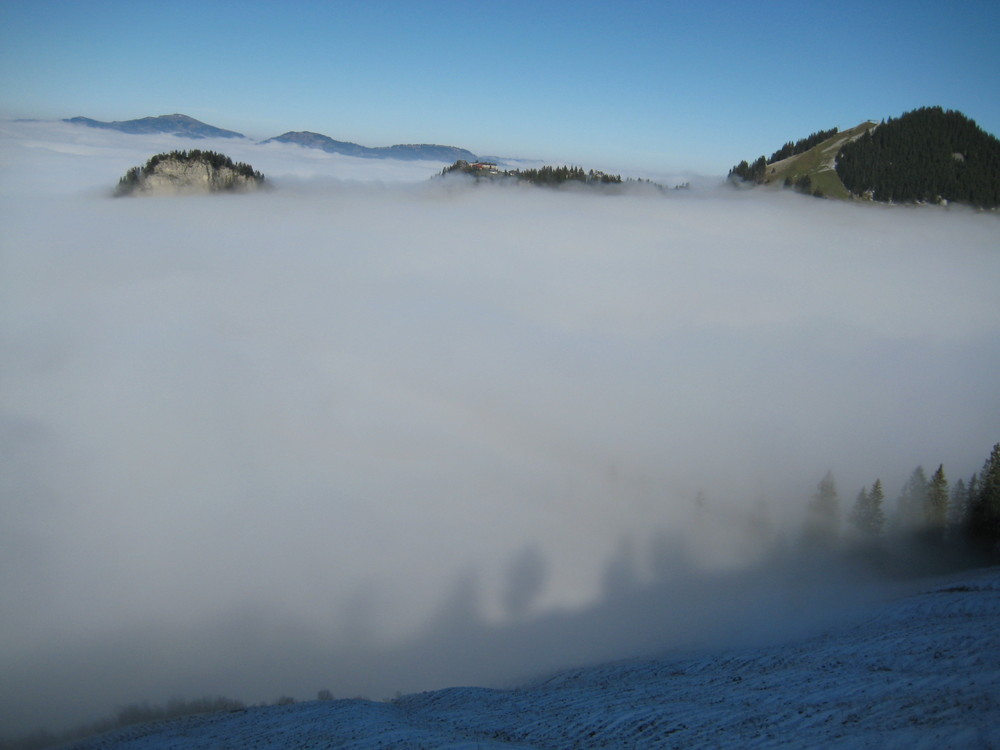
point(318, 410)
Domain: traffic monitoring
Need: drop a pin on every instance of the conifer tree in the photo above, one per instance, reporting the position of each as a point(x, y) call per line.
point(958, 504)
point(983, 524)
point(936, 503)
point(823, 520)
point(867, 516)
point(858, 511)
point(877, 496)
point(910, 506)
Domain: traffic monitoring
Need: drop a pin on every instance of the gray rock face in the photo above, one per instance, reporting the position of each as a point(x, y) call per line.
point(183, 174)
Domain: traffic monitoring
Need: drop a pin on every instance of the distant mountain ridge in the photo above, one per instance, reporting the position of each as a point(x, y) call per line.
point(407, 152)
point(176, 124)
point(188, 127)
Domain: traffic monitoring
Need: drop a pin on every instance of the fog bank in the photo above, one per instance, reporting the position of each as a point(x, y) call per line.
point(302, 424)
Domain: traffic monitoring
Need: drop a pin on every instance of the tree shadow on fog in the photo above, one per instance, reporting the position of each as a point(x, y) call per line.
point(655, 598)
point(676, 607)
point(654, 601)
point(524, 582)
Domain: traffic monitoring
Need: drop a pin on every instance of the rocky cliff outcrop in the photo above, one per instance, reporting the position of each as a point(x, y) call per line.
point(189, 172)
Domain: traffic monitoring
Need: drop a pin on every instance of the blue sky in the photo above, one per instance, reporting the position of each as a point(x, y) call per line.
point(661, 85)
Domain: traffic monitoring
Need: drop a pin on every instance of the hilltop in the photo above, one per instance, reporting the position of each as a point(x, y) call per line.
point(546, 176)
point(406, 152)
point(189, 172)
point(188, 127)
point(177, 124)
point(928, 155)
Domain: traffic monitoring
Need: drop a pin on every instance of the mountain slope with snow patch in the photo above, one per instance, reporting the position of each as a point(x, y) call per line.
point(918, 671)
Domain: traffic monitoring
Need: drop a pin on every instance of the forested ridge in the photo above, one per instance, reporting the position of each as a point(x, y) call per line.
point(927, 155)
point(546, 175)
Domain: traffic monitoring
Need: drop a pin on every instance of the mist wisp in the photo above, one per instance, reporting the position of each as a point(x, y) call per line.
point(372, 433)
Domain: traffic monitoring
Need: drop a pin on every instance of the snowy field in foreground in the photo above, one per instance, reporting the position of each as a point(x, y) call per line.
point(921, 671)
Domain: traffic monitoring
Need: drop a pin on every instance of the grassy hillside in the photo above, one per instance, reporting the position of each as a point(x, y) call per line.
point(929, 155)
point(818, 164)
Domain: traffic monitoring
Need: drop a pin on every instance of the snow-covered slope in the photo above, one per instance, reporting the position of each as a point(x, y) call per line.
point(920, 671)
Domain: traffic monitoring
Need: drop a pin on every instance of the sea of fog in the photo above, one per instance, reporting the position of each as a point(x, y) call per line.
point(258, 430)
